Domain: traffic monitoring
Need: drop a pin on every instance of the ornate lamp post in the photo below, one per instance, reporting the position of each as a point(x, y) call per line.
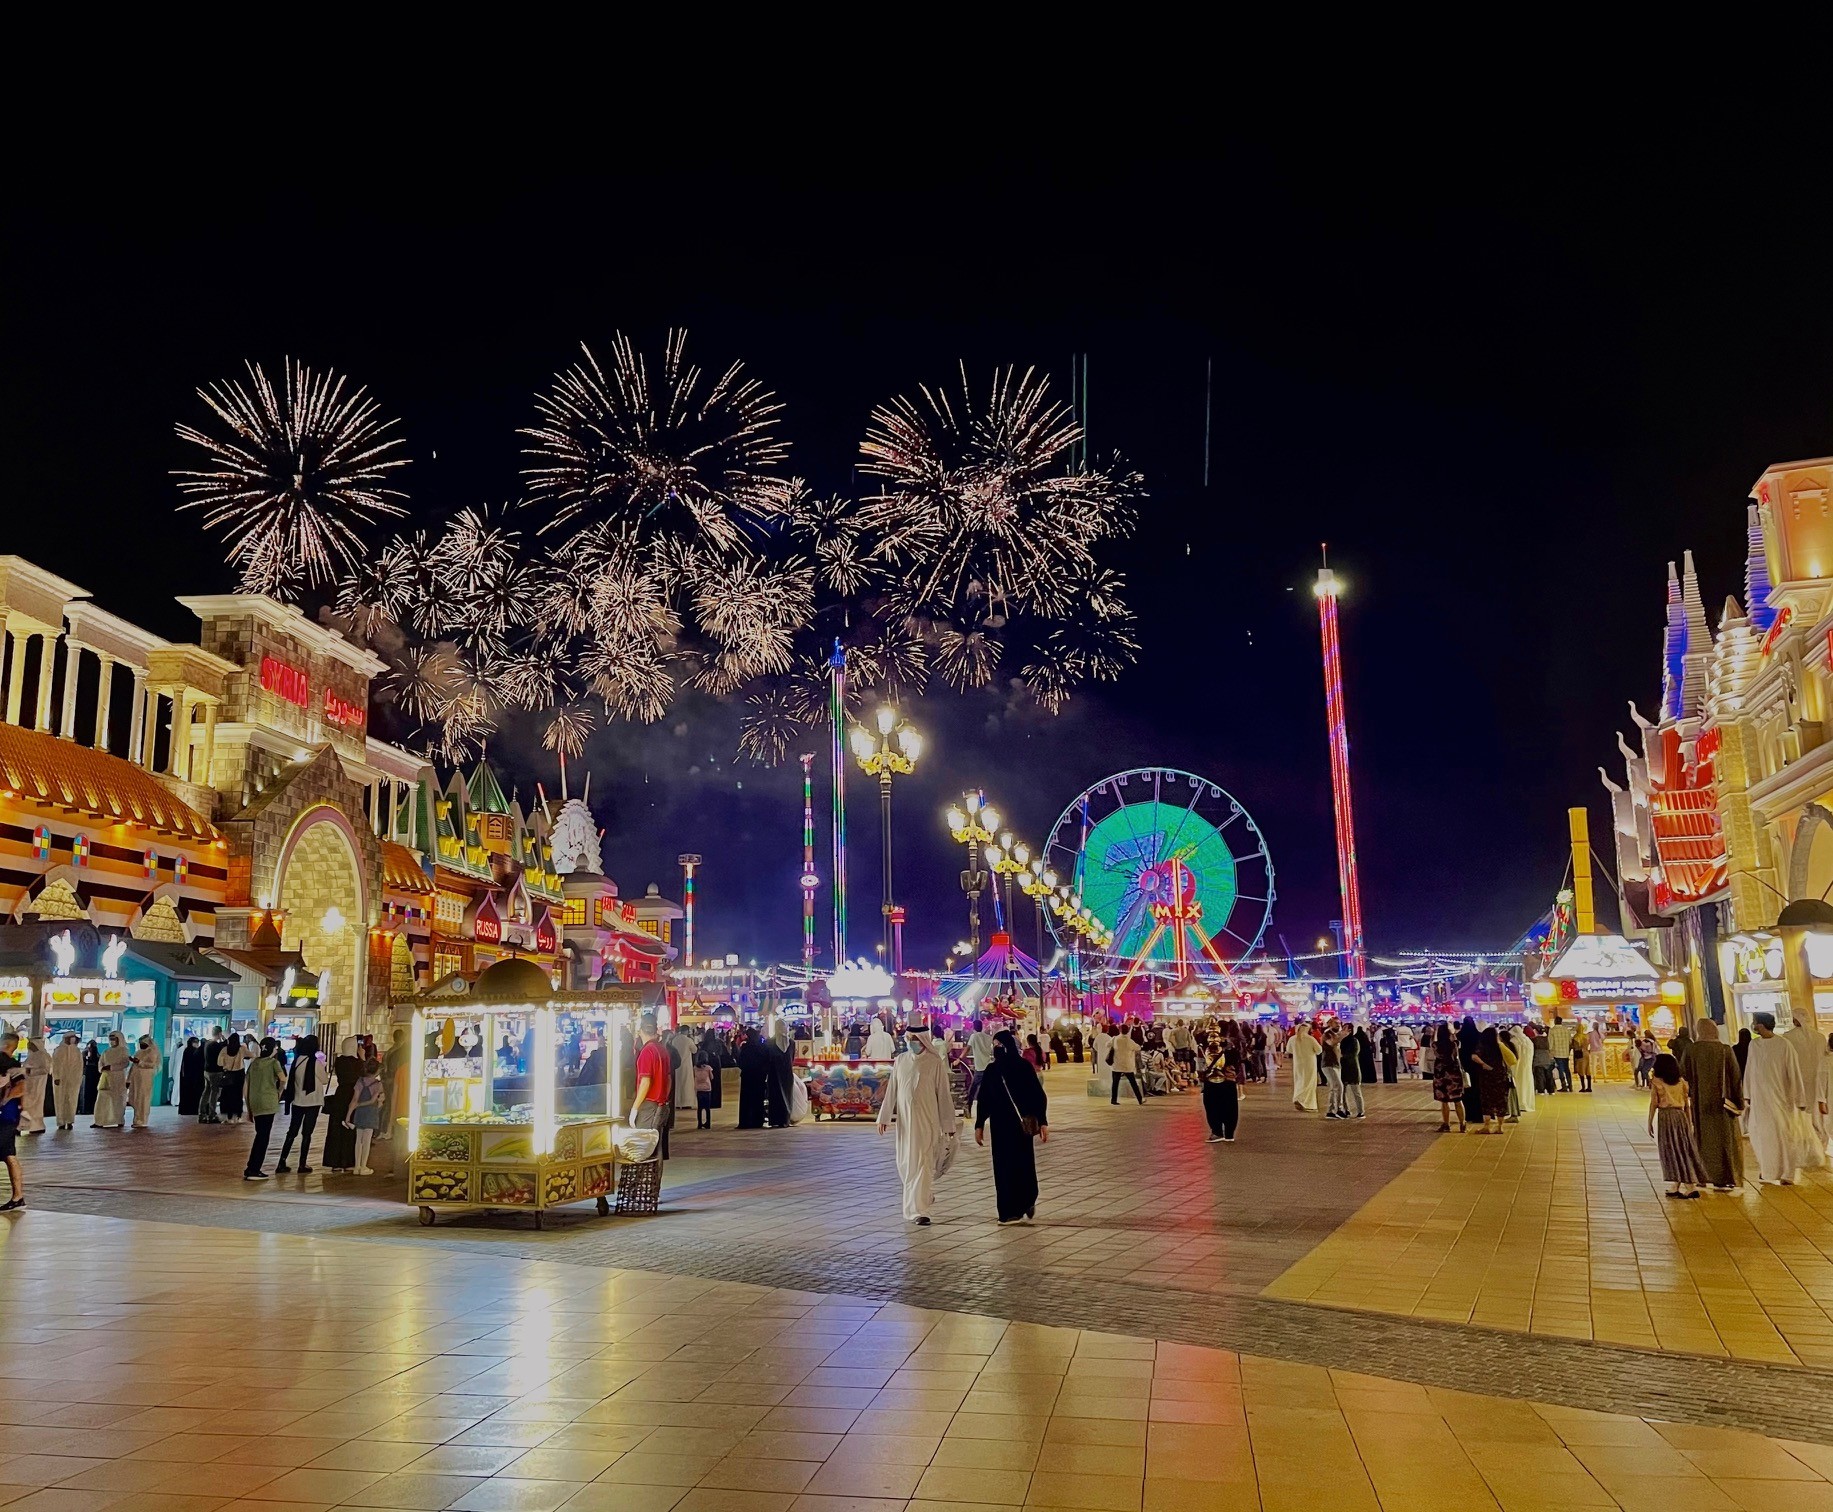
point(1038, 884)
point(893, 750)
point(1008, 859)
point(973, 824)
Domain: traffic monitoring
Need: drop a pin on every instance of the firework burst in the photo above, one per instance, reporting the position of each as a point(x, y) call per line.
point(668, 453)
point(292, 474)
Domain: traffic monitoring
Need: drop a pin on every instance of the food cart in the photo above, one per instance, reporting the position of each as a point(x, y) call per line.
point(515, 1097)
point(842, 1087)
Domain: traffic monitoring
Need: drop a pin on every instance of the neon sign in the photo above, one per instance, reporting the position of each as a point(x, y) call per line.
point(340, 711)
point(284, 681)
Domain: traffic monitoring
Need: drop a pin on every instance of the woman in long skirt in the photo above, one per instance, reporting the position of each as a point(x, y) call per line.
point(1494, 1066)
point(1390, 1057)
point(1467, 1037)
point(1011, 1093)
point(92, 1078)
point(753, 1081)
point(1670, 1123)
point(340, 1143)
point(190, 1077)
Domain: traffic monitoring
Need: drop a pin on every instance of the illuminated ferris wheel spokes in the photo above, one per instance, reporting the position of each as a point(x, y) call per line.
point(1173, 866)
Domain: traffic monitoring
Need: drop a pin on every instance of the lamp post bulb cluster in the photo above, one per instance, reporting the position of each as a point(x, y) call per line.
point(891, 749)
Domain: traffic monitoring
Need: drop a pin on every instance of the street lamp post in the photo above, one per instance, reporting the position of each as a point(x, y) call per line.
point(973, 824)
point(1039, 883)
point(893, 750)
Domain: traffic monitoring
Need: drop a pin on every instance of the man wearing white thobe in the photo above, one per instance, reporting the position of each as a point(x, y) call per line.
point(1810, 1048)
point(879, 1044)
point(922, 1104)
point(1776, 1100)
point(1304, 1051)
point(66, 1080)
point(37, 1073)
point(686, 1099)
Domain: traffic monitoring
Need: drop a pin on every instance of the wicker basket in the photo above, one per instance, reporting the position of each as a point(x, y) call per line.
point(639, 1187)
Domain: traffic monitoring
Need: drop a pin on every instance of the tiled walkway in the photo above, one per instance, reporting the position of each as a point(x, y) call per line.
point(164, 1368)
point(1129, 1194)
point(1561, 1229)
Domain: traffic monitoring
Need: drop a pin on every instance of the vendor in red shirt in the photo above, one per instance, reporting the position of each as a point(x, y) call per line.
point(655, 1100)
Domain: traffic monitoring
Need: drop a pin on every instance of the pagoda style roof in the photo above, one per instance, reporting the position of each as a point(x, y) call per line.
point(40, 769)
point(483, 793)
point(402, 871)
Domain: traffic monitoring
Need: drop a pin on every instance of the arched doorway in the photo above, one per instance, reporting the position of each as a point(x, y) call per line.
point(320, 896)
point(1811, 856)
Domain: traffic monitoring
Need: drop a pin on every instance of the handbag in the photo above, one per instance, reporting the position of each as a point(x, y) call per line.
point(1025, 1120)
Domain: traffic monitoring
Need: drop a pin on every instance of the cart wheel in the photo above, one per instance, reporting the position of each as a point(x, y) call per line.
point(540, 1220)
point(604, 1207)
point(427, 1215)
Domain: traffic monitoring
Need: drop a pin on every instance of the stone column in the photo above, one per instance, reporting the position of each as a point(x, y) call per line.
point(15, 691)
point(104, 702)
point(209, 741)
point(391, 808)
point(178, 747)
point(47, 651)
point(73, 661)
point(136, 733)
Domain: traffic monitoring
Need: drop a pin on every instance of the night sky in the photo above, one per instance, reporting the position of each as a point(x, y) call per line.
point(1505, 398)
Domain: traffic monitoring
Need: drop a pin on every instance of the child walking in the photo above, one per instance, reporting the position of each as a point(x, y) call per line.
point(1670, 1121)
point(703, 1092)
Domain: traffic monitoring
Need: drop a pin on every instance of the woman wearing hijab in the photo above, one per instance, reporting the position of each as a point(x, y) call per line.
point(1013, 1100)
point(778, 1093)
point(1715, 1081)
point(306, 1087)
point(190, 1077)
point(753, 1080)
point(1494, 1065)
point(111, 1086)
point(1390, 1056)
point(1742, 1050)
point(340, 1142)
point(1365, 1050)
point(264, 1077)
point(1467, 1038)
point(92, 1078)
point(233, 1061)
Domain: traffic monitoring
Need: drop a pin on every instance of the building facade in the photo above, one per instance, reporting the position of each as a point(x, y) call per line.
point(1726, 817)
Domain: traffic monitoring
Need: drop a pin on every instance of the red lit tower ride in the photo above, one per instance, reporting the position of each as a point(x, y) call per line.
point(1355, 953)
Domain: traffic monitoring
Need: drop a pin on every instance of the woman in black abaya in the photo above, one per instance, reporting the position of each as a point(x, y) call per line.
point(778, 1091)
point(1467, 1037)
point(753, 1079)
point(190, 1077)
point(1011, 1093)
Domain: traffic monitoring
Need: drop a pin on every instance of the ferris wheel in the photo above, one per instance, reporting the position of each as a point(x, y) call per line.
point(1173, 867)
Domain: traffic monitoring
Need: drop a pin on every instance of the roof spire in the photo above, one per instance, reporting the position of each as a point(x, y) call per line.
point(1673, 649)
point(1698, 643)
point(1756, 573)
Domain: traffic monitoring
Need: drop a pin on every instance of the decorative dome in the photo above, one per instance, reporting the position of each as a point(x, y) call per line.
point(511, 981)
point(1806, 912)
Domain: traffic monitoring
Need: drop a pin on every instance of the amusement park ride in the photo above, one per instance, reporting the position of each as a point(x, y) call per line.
point(1177, 875)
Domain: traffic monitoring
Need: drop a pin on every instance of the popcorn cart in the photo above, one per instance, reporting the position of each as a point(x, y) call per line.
point(515, 1099)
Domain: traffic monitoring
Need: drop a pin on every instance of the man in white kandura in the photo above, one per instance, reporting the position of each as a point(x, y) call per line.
point(1304, 1052)
point(922, 1104)
point(66, 1080)
point(1777, 1102)
point(1810, 1048)
point(37, 1065)
point(879, 1044)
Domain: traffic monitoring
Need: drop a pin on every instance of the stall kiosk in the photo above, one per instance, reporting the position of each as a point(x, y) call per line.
point(515, 1096)
point(1606, 981)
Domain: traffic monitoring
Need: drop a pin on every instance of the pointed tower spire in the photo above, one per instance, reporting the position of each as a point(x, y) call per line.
point(1756, 573)
point(1698, 643)
point(1673, 649)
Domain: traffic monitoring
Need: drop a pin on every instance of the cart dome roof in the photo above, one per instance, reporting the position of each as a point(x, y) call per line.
point(511, 981)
